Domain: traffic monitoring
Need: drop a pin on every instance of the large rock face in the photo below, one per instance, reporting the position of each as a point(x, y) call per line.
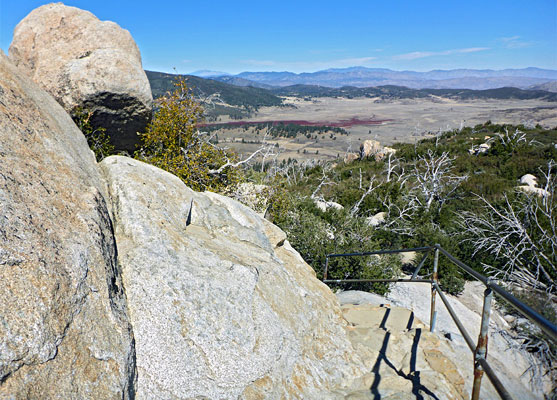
point(64, 331)
point(84, 62)
point(221, 305)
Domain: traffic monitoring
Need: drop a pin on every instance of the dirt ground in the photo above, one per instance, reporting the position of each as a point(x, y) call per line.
point(412, 120)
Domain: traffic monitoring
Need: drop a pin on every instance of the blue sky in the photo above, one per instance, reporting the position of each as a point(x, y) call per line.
point(298, 36)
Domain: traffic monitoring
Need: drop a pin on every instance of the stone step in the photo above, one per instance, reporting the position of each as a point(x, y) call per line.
point(385, 317)
point(405, 360)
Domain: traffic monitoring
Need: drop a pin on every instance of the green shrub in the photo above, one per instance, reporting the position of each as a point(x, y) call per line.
point(97, 138)
point(173, 143)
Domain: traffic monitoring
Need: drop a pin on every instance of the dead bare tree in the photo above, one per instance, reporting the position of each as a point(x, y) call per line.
point(399, 213)
point(512, 140)
point(265, 150)
point(521, 233)
point(265, 136)
point(293, 172)
point(325, 180)
point(399, 216)
point(434, 180)
point(230, 164)
point(431, 181)
point(394, 168)
point(373, 184)
point(438, 136)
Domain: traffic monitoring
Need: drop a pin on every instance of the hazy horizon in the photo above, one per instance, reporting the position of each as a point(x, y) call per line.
point(360, 67)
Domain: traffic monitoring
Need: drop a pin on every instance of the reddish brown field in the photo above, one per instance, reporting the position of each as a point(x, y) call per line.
point(337, 124)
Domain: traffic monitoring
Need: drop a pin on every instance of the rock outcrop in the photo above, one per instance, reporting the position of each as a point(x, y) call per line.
point(221, 305)
point(89, 63)
point(374, 148)
point(369, 147)
point(64, 330)
point(530, 185)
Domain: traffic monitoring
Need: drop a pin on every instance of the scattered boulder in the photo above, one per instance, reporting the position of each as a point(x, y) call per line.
point(350, 157)
point(408, 257)
point(529, 180)
point(369, 148)
point(481, 149)
point(220, 303)
point(64, 329)
point(377, 219)
point(534, 190)
point(384, 152)
point(85, 62)
point(484, 147)
point(530, 185)
point(324, 205)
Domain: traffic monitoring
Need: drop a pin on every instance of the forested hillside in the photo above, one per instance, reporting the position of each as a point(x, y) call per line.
point(401, 92)
point(456, 190)
point(219, 98)
point(486, 194)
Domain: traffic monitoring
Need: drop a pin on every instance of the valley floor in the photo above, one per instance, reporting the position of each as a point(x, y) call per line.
point(410, 120)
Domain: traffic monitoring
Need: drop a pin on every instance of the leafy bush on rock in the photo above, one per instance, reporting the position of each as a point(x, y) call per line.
point(172, 142)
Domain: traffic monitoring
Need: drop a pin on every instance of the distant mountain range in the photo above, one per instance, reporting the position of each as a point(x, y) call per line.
point(236, 81)
point(234, 97)
point(370, 77)
point(549, 87)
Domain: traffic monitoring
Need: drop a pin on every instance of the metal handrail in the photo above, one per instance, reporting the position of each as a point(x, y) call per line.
point(546, 326)
point(480, 349)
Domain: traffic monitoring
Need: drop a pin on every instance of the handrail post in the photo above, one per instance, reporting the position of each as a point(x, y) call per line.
point(326, 268)
point(435, 278)
point(481, 348)
point(420, 265)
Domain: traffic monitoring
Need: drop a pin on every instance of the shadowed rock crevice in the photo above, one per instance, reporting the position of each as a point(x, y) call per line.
point(123, 116)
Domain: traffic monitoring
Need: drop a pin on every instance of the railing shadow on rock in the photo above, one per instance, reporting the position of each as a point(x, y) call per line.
point(479, 349)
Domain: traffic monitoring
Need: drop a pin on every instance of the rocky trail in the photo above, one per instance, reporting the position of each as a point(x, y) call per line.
point(120, 282)
point(405, 359)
